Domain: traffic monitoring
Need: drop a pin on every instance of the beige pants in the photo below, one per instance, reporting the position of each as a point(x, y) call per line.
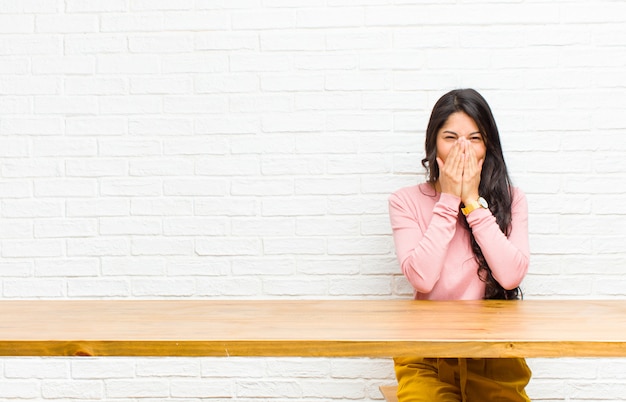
point(457, 380)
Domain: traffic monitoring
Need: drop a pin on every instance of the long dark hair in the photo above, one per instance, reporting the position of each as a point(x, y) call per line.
point(495, 183)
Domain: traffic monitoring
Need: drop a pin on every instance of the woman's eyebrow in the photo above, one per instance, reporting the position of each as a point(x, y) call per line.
point(452, 132)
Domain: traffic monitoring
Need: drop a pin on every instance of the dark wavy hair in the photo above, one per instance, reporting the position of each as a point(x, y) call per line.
point(495, 183)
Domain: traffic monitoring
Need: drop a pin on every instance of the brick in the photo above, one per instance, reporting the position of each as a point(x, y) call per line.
point(136, 388)
point(69, 267)
point(161, 246)
point(133, 266)
point(66, 23)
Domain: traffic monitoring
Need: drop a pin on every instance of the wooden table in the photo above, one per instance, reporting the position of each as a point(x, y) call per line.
point(331, 328)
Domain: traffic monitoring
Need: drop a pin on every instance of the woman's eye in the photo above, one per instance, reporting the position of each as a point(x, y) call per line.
point(476, 139)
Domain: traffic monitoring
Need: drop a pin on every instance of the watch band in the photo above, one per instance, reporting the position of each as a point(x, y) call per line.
point(479, 203)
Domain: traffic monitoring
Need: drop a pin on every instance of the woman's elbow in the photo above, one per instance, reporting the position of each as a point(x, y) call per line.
point(513, 278)
point(420, 282)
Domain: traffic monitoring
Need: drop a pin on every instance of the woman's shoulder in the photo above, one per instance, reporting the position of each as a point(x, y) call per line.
point(413, 194)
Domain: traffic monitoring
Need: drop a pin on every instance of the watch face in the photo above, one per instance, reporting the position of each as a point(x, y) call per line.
point(483, 202)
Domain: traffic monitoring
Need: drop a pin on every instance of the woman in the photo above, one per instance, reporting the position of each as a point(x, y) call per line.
point(462, 235)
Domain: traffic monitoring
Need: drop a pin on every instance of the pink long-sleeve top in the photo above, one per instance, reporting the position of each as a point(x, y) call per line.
point(433, 247)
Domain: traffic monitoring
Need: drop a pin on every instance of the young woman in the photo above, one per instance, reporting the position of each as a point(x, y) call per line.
point(462, 235)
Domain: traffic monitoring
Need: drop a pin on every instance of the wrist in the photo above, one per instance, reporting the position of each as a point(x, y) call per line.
point(478, 202)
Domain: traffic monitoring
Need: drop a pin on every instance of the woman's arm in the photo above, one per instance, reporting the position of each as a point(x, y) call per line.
point(508, 257)
point(421, 252)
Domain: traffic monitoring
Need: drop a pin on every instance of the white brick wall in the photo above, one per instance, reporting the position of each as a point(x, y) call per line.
point(246, 148)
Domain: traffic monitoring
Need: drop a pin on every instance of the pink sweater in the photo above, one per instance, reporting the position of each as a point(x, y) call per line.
point(434, 249)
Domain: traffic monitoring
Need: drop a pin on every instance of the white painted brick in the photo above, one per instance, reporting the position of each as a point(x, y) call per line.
point(161, 167)
point(133, 266)
point(65, 188)
point(288, 287)
point(232, 287)
point(228, 166)
point(33, 288)
point(96, 288)
point(311, 265)
point(330, 186)
point(131, 187)
point(161, 43)
point(294, 245)
point(14, 105)
point(260, 62)
point(94, 86)
point(248, 187)
point(195, 187)
point(161, 246)
point(16, 189)
point(32, 208)
point(95, 167)
point(281, 226)
point(231, 367)
point(195, 63)
point(201, 388)
point(136, 388)
point(268, 389)
point(19, 85)
point(15, 229)
point(30, 45)
point(194, 226)
point(260, 103)
point(32, 248)
point(167, 84)
point(94, 43)
point(66, 23)
point(94, 247)
point(228, 246)
point(303, 368)
point(194, 146)
point(30, 368)
point(325, 226)
point(127, 64)
point(163, 287)
point(198, 266)
point(231, 206)
point(334, 389)
point(322, 144)
point(92, 369)
point(97, 207)
point(63, 65)
point(220, 125)
point(264, 266)
point(260, 20)
point(276, 144)
point(16, 23)
point(128, 147)
point(131, 22)
point(226, 83)
point(79, 267)
point(195, 104)
point(168, 367)
point(16, 269)
point(129, 226)
point(65, 228)
point(21, 389)
point(92, 6)
point(14, 148)
point(332, 17)
point(325, 61)
point(137, 104)
point(226, 40)
point(160, 207)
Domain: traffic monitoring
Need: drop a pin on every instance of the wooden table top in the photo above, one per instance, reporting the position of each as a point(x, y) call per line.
point(332, 328)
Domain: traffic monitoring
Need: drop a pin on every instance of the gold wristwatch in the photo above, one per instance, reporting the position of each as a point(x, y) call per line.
point(479, 203)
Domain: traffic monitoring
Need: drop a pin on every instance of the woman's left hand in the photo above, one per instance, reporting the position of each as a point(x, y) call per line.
point(472, 169)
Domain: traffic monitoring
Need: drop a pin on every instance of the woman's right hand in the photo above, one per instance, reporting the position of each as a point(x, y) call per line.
point(451, 171)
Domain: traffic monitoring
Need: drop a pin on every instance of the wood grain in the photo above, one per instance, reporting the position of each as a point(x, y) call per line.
point(332, 328)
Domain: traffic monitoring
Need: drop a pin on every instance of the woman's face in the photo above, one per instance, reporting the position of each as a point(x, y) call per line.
point(460, 125)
